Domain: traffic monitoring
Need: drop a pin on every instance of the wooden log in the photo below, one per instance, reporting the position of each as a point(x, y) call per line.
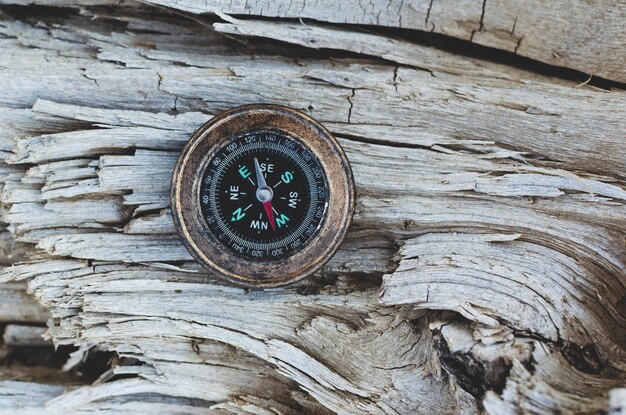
point(18, 397)
point(22, 335)
point(484, 270)
point(579, 35)
point(17, 306)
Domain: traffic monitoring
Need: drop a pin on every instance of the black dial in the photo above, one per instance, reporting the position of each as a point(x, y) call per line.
point(264, 194)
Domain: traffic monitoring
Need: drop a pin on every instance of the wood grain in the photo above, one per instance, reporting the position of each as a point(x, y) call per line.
point(484, 271)
point(575, 34)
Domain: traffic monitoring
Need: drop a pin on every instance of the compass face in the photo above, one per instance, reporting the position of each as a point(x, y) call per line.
point(264, 195)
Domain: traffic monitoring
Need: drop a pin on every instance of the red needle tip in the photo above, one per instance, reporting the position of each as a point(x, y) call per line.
point(268, 211)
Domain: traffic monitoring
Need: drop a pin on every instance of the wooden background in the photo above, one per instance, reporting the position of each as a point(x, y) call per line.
point(484, 271)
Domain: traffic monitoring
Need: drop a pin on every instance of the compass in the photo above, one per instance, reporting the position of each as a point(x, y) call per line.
point(262, 195)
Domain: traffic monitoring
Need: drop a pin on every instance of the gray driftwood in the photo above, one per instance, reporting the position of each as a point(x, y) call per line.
point(484, 271)
point(578, 34)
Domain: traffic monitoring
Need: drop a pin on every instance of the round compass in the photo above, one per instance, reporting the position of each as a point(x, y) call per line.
point(262, 195)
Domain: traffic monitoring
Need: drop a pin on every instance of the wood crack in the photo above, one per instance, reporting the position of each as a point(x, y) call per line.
point(349, 98)
point(480, 22)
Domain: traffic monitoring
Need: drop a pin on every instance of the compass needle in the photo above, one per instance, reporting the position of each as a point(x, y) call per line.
point(268, 211)
point(264, 194)
point(259, 174)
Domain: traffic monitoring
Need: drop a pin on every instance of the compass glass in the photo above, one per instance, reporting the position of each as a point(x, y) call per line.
point(264, 195)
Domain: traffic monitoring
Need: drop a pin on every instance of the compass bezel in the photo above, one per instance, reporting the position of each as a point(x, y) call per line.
point(187, 182)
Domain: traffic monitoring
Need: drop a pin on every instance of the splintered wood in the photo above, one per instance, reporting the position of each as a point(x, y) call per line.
point(484, 271)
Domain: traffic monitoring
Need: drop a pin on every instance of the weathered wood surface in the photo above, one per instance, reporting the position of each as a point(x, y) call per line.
point(18, 306)
point(586, 36)
point(490, 201)
point(582, 35)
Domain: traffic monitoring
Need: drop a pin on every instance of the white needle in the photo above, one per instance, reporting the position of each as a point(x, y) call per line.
point(264, 194)
point(260, 180)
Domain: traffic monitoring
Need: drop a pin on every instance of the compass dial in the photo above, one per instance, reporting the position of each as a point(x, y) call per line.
point(264, 195)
